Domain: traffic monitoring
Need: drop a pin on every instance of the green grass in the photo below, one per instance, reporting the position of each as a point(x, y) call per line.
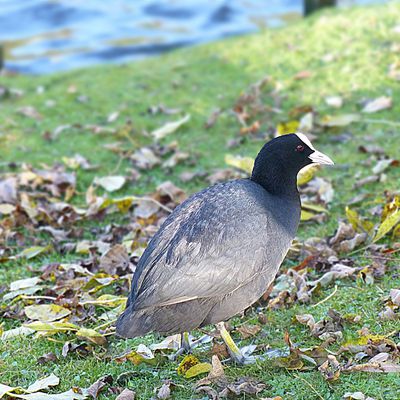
point(198, 80)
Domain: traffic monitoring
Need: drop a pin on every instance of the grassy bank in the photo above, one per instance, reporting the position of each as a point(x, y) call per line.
point(351, 54)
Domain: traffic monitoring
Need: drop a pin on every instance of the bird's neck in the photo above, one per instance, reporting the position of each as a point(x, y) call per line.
point(274, 177)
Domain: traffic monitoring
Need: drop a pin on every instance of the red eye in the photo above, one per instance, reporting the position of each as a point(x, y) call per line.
point(300, 148)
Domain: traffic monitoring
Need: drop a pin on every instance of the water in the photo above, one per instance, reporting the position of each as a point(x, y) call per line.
point(44, 36)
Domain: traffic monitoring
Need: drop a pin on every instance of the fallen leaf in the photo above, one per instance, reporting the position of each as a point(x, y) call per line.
point(395, 296)
point(115, 259)
point(212, 119)
point(169, 128)
point(330, 369)
point(47, 358)
point(8, 190)
point(32, 252)
point(110, 183)
point(145, 158)
point(146, 209)
point(378, 104)
point(52, 327)
point(165, 391)
point(243, 163)
point(24, 283)
point(303, 75)
point(95, 389)
point(142, 355)
point(339, 120)
point(383, 165)
point(45, 383)
point(30, 112)
point(216, 375)
point(387, 225)
point(356, 396)
point(46, 312)
point(113, 116)
point(334, 101)
point(306, 174)
point(12, 333)
point(92, 336)
point(188, 362)
point(384, 367)
point(126, 394)
point(243, 386)
point(247, 331)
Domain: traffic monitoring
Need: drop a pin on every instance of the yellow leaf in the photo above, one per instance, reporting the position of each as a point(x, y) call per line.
point(387, 225)
point(188, 362)
point(314, 207)
point(46, 312)
point(92, 336)
point(306, 174)
point(34, 251)
point(198, 369)
point(284, 128)
point(107, 300)
point(243, 163)
point(306, 215)
point(357, 222)
point(52, 327)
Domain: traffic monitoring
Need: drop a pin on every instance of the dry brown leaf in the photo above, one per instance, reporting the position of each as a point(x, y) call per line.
point(95, 389)
point(247, 331)
point(126, 394)
point(115, 259)
point(330, 369)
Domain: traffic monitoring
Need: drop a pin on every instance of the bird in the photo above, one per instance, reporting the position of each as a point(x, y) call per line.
point(218, 251)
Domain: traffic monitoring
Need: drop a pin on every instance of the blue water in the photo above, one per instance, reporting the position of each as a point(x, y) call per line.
point(44, 36)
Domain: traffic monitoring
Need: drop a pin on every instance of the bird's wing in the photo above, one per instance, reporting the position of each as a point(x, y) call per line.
point(214, 243)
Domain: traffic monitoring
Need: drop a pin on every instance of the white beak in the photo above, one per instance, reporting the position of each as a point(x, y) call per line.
point(320, 158)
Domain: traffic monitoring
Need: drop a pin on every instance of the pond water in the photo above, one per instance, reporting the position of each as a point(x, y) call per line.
point(44, 36)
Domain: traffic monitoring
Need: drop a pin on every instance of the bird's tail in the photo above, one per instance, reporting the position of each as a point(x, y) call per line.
point(133, 323)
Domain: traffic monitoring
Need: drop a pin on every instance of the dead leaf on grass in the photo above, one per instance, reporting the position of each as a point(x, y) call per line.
point(30, 112)
point(247, 331)
point(126, 394)
point(46, 312)
point(95, 389)
point(378, 104)
point(110, 183)
point(169, 128)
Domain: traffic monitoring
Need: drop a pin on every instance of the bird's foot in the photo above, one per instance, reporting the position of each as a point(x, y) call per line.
point(241, 356)
point(244, 355)
point(188, 344)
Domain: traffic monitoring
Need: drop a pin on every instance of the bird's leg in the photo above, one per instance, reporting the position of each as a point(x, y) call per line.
point(187, 345)
point(233, 350)
point(236, 354)
point(185, 342)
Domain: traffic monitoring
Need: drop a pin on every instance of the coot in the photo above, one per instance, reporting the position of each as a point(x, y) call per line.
point(218, 251)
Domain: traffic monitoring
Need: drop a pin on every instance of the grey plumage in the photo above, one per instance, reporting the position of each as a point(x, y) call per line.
point(214, 256)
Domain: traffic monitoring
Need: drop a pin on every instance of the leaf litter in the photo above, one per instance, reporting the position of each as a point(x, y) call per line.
point(74, 299)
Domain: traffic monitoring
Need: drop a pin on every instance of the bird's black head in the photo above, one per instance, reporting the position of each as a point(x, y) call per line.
point(280, 160)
